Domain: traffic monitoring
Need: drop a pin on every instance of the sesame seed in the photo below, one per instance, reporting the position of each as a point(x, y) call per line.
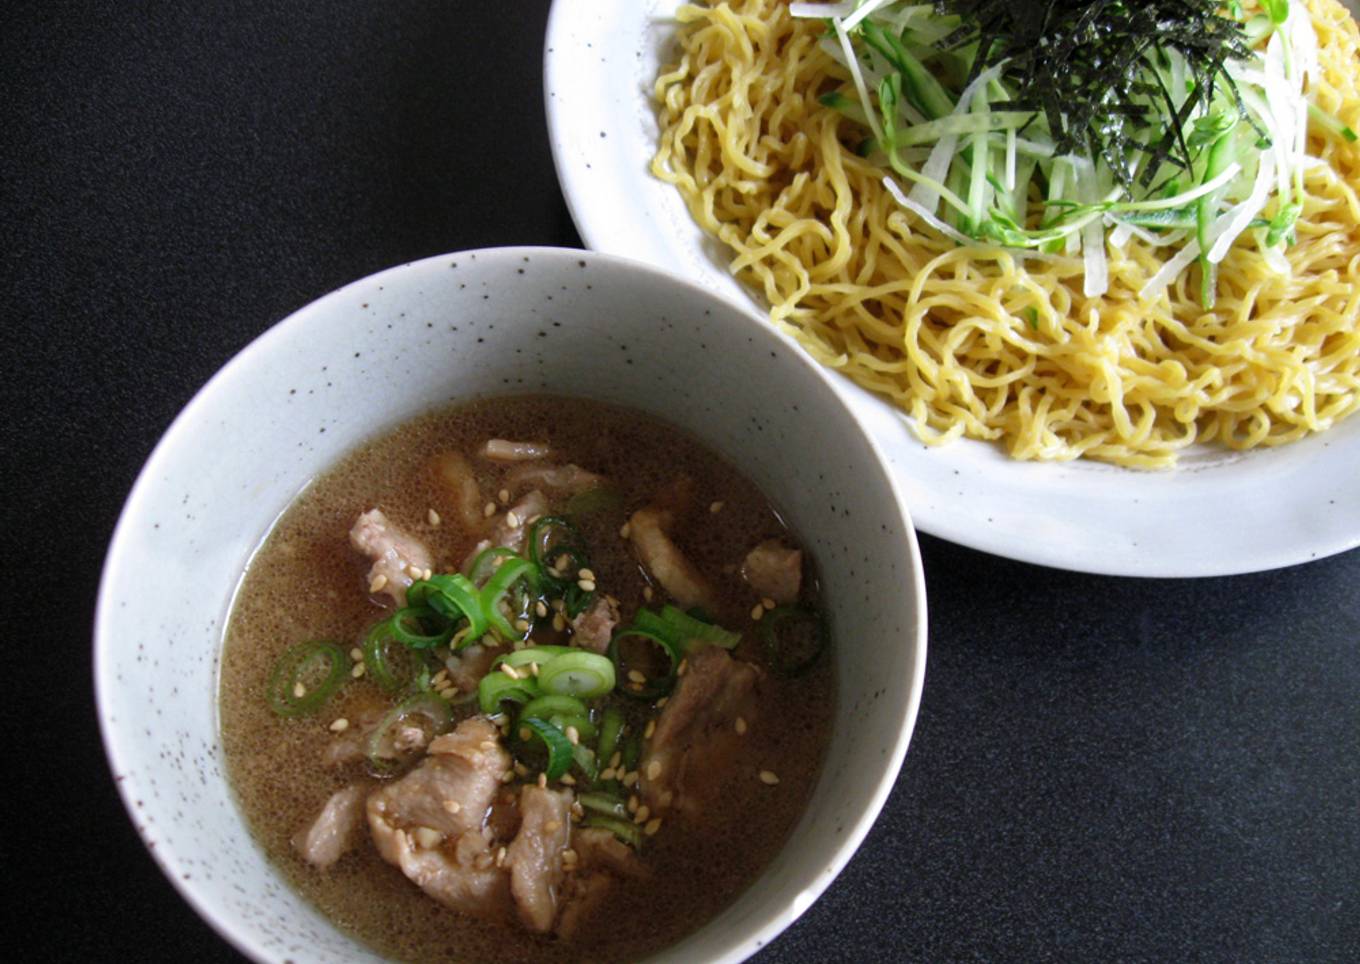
point(340, 725)
point(647, 593)
point(533, 669)
point(768, 778)
point(522, 625)
point(503, 495)
point(588, 574)
point(357, 671)
point(559, 622)
point(552, 826)
point(512, 520)
point(683, 668)
point(439, 677)
point(653, 769)
point(559, 604)
point(500, 857)
point(649, 730)
point(488, 745)
point(427, 837)
point(414, 571)
point(521, 770)
point(509, 671)
point(507, 776)
point(568, 779)
point(630, 779)
point(652, 827)
point(452, 806)
point(767, 602)
point(569, 856)
point(542, 781)
point(741, 725)
point(607, 773)
point(614, 760)
point(662, 702)
point(715, 508)
point(541, 608)
point(633, 804)
point(483, 861)
point(489, 509)
point(636, 677)
point(356, 654)
point(378, 582)
point(525, 733)
point(588, 585)
point(429, 574)
point(624, 530)
point(643, 812)
point(433, 516)
point(757, 612)
point(574, 735)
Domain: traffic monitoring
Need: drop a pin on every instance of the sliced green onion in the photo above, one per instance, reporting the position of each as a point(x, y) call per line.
point(794, 637)
point(546, 706)
point(454, 597)
point(497, 688)
point(1330, 122)
point(584, 759)
point(578, 673)
point(604, 804)
point(602, 498)
point(486, 562)
point(559, 748)
point(585, 729)
point(630, 833)
point(611, 726)
point(532, 654)
point(631, 752)
point(553, 539)
point(513, 572)
point(382, 751)
point(387, 660)
point(420, 627)
point(305, 677)
point(689, 630)
point(658, 685)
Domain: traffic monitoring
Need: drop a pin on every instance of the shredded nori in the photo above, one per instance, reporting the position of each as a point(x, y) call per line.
point(1080, 64)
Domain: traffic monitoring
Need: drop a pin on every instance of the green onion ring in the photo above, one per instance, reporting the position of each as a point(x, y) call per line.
point(381, 754)
point(532, 654)
point(298, 667)
point(560, 752)
point(579, 673)
point(496, 688)
point(381, 649)
point(546, 706)
point(585, 730)
point(419, 637)
point(658, 686)
point(454, 597)
point(605, 804)
point(778, 639)
point(484, 563)
point(610, 729)
point(501, 583)
point(630, 833)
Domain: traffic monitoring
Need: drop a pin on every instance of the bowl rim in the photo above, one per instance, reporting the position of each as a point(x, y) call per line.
point(115, 736)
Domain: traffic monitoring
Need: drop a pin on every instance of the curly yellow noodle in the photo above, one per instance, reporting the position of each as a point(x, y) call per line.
point(983, 343)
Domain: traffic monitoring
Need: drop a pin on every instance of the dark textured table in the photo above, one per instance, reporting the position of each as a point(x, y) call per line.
point(1103, 768)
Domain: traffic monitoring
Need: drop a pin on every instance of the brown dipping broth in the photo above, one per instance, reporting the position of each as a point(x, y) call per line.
point(306, 582)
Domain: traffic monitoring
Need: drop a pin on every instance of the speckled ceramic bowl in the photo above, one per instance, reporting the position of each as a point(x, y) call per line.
point(416, 337)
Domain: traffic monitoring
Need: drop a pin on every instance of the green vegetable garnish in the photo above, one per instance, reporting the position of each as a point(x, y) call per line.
point(305, 677)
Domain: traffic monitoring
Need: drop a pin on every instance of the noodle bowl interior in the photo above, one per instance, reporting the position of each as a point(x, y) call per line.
point(1002, 343)
point(531, 678)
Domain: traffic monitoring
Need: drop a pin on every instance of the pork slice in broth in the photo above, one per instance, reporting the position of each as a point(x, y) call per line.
point(331, 835)
point(566, 479)
point(648, 532)
point(593, 627)
point(506, 450)
point(534, 858)
point(602, 861)
point(429, 823)
point(774, 571)
point(398, 557)
point(696, 739)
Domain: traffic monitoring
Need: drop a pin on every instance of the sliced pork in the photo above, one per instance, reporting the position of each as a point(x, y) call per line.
point(774, 571)
point(457, 478)
point(505, 450)
point(602, 861)
point(398, 557)
point(594, 626)
point(467, 666)
point(558, 479)
point(647, 530)
point(331, 834)
point(696, 740)
point(534, 858)
point(429, 823)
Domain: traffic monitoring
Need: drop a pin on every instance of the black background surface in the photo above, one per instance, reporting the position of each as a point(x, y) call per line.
point(1103, 768)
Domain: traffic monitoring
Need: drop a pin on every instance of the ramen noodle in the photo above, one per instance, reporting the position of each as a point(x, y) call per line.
point(994, 343)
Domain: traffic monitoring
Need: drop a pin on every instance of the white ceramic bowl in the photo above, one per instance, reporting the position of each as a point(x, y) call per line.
point(416, 337)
